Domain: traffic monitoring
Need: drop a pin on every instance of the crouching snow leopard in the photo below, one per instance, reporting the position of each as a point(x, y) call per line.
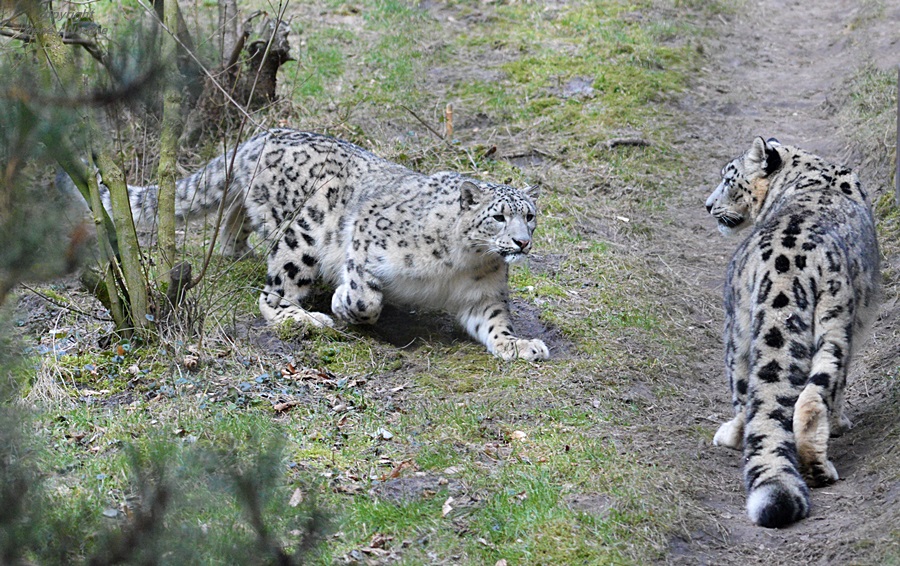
point(375, 230)
point(799, 294)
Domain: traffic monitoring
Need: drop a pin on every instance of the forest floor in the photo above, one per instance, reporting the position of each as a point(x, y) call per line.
point(421, 441)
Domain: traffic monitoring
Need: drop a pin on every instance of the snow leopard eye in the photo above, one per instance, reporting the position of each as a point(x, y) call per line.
point(529, 217)
point(499, 218)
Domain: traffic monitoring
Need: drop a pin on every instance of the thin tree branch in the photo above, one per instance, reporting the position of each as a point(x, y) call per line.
point(96, 99)
point(56, 303)
point(91, 46)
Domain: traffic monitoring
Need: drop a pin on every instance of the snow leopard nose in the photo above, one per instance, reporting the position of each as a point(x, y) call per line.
point(709, 208)
point(523, 244)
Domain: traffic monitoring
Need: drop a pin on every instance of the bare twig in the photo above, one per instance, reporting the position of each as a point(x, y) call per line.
point(96, 99)
point(236, 52)
point(54, 302)
point(633, 142)
point(448, 121)
point(427, 125)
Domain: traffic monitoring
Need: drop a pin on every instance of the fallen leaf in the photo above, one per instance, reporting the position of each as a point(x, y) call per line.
point(453, 470)
point(384, 434)
point(446, 508)
point(282, 407)
point(190, 362)
point(395, 473)
point(501, 562)
point(379, 540)
point(296, 498)
point(518, 435)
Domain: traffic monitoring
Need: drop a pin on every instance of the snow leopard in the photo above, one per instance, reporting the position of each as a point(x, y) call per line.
point(800, 293)
point(372, 229)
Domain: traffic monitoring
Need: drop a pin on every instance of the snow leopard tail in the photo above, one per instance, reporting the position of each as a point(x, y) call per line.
point(777, 494)
point(198, 193)
point(778, 501)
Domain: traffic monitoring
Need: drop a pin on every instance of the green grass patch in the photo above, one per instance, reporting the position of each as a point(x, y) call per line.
point(524, 450)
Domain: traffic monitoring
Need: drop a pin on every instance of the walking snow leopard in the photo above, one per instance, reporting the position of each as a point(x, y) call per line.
point(373, 229)
point(800, 292)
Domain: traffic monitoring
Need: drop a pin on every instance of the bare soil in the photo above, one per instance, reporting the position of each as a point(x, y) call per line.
point(778, 70)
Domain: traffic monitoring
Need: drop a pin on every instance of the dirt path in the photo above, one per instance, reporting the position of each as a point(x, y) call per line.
point(778, 67)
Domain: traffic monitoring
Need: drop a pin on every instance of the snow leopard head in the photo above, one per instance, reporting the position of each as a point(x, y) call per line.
point(744, 187)
point(499, 219)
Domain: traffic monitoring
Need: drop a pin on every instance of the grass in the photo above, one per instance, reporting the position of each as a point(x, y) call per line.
point(516, 445)
point(868, 119)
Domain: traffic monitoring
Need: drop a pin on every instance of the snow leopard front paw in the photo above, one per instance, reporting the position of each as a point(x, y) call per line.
point(529, 350)
point(354, 307)
point(731, 434)
point(280, 313)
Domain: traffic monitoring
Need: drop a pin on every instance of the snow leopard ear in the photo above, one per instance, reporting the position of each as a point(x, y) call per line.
point(470, 195)
point(764, 155)
point(533, 191)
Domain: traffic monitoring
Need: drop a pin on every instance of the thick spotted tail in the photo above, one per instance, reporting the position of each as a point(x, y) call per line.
point(200, 193)
point(196, 194)
point(778, 501)
point(777, 494)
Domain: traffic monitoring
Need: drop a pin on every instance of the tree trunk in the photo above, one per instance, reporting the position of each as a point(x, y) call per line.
point(129, 249)
point(62, 63)
point(167, 173)
point(249, 74)
point(228, 23)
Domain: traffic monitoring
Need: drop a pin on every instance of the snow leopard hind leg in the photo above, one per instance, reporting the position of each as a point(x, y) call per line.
point(234, 233)
point(292, 269)
point(818, 409)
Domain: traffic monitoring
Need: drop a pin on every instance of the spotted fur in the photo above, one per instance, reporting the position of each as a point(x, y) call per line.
point(800, 292)
point(373, 229)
